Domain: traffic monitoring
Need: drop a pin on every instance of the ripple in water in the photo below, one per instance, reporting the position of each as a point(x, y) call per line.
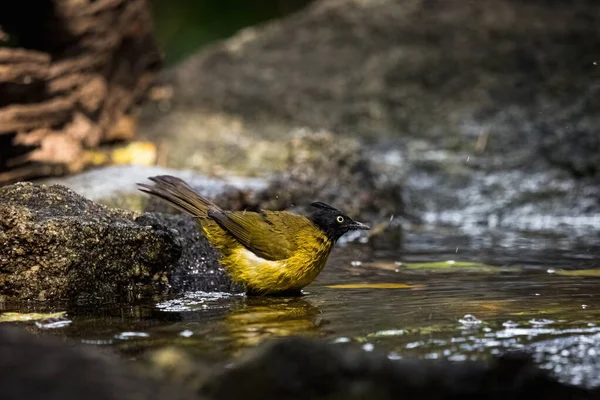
point(53, 323)
point(129, 335)
point(194, 301)
point(469, 321)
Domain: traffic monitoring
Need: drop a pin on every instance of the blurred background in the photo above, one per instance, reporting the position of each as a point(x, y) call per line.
point(185, 26)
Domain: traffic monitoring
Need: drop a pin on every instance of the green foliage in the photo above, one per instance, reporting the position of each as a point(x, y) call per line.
point(183, 26)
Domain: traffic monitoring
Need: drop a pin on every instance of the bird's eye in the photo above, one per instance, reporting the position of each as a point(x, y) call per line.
point(340, 219)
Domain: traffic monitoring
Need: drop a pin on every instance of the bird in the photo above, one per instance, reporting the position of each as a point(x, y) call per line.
point(267, 252)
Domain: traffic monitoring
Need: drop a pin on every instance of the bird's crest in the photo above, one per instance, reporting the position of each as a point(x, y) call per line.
point(323, 206)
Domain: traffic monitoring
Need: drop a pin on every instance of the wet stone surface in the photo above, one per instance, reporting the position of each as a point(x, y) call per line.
point(56, 244)
point(198, 268)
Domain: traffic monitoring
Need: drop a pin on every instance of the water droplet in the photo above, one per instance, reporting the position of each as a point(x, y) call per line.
point(96, 342)
point(592, 352)
point(368, 347)
point(469, 320)
point(394, 356)
point(389, 332)
point(510, 324)
point(414, 345)
point(356, 263)
point(584, 306)
point(186, 333)
point(537, 294)
point(451, 262)
point(398, 263)
point(341, 340)
point(458, 357)
point(541, 321)
point(551, 270)
point(127, 335)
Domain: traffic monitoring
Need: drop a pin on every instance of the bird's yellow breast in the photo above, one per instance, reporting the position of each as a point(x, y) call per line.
point(270, 276)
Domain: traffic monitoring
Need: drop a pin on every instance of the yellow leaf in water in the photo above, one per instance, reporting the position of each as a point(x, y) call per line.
point(375, 286)
point(20, 317)
point(580, 272)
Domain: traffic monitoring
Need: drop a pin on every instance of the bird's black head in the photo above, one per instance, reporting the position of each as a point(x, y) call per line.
point(333, 222)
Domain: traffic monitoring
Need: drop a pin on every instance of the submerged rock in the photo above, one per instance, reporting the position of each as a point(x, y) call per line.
point(298, 368)
point(48, 369)
point(56, 244)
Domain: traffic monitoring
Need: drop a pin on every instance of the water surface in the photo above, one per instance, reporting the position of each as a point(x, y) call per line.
point(442, 295)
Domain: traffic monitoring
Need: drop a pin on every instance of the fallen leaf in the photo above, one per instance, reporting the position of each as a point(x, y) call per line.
point(376, 286)
point(20, 317)
point(581, 272)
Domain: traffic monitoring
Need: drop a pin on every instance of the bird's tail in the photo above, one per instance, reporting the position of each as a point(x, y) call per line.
point(179, 195)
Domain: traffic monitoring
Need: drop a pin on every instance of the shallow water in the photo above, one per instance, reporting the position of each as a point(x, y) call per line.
point(424, 301)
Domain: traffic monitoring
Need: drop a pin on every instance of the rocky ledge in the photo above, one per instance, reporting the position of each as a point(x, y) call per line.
point(57, 245)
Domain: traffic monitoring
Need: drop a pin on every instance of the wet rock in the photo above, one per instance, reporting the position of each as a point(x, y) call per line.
point(56, 244)
point(569, 134)
point(198, 268)
point(336, 170)
point(297, 368)
point(48, 369)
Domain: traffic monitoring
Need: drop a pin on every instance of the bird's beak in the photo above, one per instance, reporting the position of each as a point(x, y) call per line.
point(359, 225)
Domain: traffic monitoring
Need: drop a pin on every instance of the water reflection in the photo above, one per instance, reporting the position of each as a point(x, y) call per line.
point(257, 319)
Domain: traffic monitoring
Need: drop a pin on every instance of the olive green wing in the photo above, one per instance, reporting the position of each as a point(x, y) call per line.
point(268, 234)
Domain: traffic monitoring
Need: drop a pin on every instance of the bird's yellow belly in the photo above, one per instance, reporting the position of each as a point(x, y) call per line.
point(266, 276)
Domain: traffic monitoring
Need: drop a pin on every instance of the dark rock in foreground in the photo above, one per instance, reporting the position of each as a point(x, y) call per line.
point(286, 369)
point(55, 244)
point(48, 369)
point(301, 369)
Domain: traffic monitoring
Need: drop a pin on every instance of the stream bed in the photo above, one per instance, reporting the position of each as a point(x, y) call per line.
point(442, 295)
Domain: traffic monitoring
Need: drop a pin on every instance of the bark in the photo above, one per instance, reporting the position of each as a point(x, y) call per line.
point(72, 74)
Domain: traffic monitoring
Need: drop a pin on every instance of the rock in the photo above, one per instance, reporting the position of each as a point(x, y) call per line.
point(297, 368)
point(48, 369)
point(56, 244)
point(381, 67)
point(336, 170)
point(198, 268)
point(569, 135)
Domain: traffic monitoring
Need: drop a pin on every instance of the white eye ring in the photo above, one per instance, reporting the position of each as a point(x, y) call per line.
point(340, 219)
